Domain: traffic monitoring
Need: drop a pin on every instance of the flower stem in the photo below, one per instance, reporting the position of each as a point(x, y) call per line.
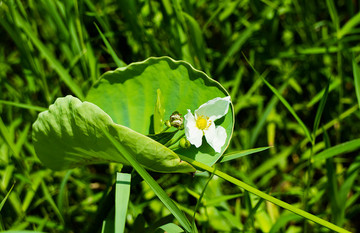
point(264, 195)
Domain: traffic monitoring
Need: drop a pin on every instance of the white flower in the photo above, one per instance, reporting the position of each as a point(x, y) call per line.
point(203, 123)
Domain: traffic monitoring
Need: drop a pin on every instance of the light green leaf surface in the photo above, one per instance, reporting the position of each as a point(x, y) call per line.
point(129, 96)
point(71, 134)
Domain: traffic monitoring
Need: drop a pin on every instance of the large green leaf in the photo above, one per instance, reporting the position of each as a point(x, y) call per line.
point(129, 96)
point(71, 133)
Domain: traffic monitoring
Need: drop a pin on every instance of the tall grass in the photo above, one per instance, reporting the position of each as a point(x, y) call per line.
point(306, 52)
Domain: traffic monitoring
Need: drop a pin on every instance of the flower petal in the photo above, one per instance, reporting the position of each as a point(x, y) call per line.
point(215, 108)
point(217, 137)
point(192, 133)
point(210, 133)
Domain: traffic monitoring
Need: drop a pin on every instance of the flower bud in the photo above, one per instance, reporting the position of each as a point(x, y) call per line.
point(176, 120)
point(184, 143)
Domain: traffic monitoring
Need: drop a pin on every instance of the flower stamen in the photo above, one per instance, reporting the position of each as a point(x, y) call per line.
point(203, 122)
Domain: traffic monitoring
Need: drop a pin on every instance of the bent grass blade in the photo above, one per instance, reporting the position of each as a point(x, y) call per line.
point(173, 208)
point(264, 195)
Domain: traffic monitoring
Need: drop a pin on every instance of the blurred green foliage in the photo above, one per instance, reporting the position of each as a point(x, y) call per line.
point(49, 49)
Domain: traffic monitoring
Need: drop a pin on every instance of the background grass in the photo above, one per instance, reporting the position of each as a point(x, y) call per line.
point(49, 49)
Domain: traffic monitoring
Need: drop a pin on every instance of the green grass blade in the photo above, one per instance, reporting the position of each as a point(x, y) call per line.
point(171, 228)
point(200, 199)
point(196, 38)
point(335, 83)
point(333, 13)
point(62, 192)
point(282, 221)
point(290, 109)
point(347, 28)
point(178, 214)
point(337, 150)
point(261, 122)
point(283, 100)
point(264, 195)
point(21, 105)
point(49, 198)
point(63, 73)
point(237, 44)
point(356, 72)
point(6, 197)
point(320, 111)
point(122, 196)
point(331, 123)
point(223, 198)
point(113, 54)
point(8, 139)
point(239, 154)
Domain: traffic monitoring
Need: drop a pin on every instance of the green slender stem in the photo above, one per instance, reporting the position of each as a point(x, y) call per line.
point(264, 195)
point(174, 141)
point(164, 130)
point(331, 123)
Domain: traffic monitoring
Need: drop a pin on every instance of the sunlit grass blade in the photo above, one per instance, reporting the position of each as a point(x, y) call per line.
point(6, 197)
point(320, 111)
point(263, 195)
point(356, 72)
point(21, 105)
point(178, 214)
point(347, 28)
point(284, 101)
point(337, 150)
point(239, 154)
point(223, 198)
point(282, 221)
point(63, 73)
point(122, 196)
point(334, 84)
point(171, 228)
point(113, 54)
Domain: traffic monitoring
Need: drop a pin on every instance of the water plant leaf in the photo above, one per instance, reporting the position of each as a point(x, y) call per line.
point(129, 96)
point(70, 134)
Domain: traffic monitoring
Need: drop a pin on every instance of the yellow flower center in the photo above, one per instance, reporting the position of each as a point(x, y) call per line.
point(202, 122)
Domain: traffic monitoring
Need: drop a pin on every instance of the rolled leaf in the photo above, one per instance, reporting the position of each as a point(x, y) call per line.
point(70, 134)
